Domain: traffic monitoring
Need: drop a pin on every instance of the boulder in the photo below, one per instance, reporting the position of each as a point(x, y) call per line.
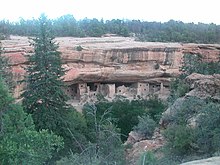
point(208, 161)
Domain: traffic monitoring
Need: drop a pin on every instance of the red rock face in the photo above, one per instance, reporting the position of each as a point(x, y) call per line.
point(111, 59)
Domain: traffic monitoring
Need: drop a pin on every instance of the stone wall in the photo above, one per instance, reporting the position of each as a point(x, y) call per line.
point(110, 91)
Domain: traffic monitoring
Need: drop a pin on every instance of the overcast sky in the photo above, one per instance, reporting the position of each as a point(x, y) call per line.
point(206, 11)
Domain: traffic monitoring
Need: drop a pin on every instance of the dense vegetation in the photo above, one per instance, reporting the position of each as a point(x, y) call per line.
point(126, 114)
point(193, 129)
point(20, 142)
point(46, 130)
point(171, 31)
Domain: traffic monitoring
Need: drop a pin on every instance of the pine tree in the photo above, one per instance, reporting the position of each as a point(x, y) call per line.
point(44, 97)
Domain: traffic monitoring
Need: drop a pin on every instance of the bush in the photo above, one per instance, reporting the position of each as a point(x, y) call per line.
point(178, 88)
point(4, 37)
point(154, 108)
point(20, 143)
point(106, 145)
point(193, 63)
point(180, 139)
point(124, 113)
point(208, 130)
point(77, 159)
point(145, 127)
point(79, 48)
point(204, 138)
point(147, 158)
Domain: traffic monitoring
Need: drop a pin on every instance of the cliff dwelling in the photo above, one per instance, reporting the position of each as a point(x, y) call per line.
point(111, 66)
point(82, 92)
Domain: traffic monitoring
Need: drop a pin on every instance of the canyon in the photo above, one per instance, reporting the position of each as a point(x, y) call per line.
point(110, 66)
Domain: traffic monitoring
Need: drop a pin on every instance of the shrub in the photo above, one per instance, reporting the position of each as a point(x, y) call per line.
point(154, 108)
point(208, 132)
point(178, 88)
point(79, 48)
point(150, 158)
point(147, 158)
point(106, 144)
point(145, 127)
point(180, 139)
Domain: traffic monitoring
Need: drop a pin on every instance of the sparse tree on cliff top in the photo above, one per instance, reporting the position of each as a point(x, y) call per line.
point(44, 97)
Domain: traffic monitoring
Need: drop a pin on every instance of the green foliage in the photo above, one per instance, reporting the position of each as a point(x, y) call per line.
point(154, 108)
point(74, 132)
point(178, 88)
point(44, 97)
point(202, 137)
point(180, 139)
point(145, 127)
point(5, 71)
point(2, 36)
point(105, 147)
point(208, 132)
point(79, 48)
point(77, 159)
point(92, 27)
point(150, 158)
point(5, 99)
point(20, 143)
point(4, 29)
point(193, 63)
point(126, 113)
point(177, 31)
point(147, 158)
point(185, 109)
point(171, 31)
point(67, 25)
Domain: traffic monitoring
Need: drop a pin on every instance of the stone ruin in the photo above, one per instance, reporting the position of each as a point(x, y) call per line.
point(83, 92)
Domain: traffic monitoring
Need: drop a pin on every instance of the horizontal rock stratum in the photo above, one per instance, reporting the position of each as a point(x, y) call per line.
point(209, 161)
point(111, 59)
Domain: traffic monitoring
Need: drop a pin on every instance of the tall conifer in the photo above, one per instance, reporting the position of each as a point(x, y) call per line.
point(44, 97)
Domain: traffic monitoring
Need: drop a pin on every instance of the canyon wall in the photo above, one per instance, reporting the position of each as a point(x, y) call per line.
point(111, 60)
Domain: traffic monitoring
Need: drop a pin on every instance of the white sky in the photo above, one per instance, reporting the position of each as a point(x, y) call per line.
point(206, 11)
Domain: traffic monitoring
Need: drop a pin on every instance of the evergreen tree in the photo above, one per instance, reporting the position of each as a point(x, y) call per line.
point(44, 97)
point(20, 143)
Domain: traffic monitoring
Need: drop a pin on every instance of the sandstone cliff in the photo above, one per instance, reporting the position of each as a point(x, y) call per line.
point(111, 59)
point(202, 87)
point(208, 161)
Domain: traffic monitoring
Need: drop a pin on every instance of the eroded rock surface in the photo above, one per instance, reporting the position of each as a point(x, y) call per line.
point(139, 145)
point(201, 87)
point(209, 161)
point(204, 86)
point(109, 62)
